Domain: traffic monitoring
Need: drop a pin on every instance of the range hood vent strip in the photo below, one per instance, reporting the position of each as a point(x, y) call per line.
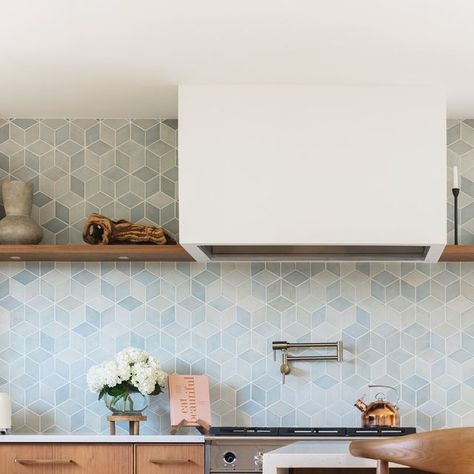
point(315, 252)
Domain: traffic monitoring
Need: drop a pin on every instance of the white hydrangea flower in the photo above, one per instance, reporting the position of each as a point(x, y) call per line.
point(95, 379)
point(111, 373)
point(132, 355)
point(133, 366)
point(123, 370)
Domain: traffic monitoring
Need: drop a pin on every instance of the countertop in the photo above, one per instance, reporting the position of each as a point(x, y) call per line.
point(313, 454)
point(41, 438)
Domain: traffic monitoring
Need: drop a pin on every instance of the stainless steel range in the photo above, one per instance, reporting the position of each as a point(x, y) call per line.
point(240, 450)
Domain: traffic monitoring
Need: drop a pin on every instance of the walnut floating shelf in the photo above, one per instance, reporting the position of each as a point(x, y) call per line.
point(94, 253)
point(458, 253)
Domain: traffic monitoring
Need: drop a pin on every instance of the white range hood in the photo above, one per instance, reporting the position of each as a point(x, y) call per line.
point(272, 172)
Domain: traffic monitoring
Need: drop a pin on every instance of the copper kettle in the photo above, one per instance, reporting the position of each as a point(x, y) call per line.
point(380, 413)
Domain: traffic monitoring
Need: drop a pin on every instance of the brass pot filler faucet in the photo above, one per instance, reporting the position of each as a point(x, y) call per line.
point(286, 358)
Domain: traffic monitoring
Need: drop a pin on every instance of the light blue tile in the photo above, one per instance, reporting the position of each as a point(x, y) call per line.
point(85, 277)
point(325, 382)
point(25, 277)
point(415, 382)
point(47, 342)
point(236, 330)
point(422, 291)
point(333, 291)
point(460, 356)
point(243, 395)
point(9, 303)
point(206, 277)
point(385, 278)
point(243, 316)
point(340, 304)
point(107, 290)
point(198, 291)
point(62, 394)
point(153, 290)
point(93, 317)
point(355, 330)
point(251, 408)
point(295, 278)
point(213, 343)
point(415, 330)
point(221, 303)
point(130, 303)
point(4, 288)
point(84, 329)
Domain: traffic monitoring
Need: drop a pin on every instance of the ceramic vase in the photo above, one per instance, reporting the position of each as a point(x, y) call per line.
point(18, 227)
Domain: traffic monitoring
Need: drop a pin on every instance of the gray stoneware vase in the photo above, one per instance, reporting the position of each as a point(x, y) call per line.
point(18, 227)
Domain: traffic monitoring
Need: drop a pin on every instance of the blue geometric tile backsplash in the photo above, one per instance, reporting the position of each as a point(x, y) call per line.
point(410, 325)
point(122, 168)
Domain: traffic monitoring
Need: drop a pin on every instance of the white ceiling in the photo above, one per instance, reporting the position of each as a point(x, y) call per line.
point(124, 58)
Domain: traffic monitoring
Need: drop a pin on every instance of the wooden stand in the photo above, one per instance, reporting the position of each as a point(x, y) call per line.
point(200, 425)
point(133, 423)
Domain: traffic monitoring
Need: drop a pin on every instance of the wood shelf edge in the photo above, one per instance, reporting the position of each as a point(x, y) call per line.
point(94, 253)
point(458, 253)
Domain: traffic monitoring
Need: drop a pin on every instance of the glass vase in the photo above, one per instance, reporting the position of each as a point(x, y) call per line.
point(128, 403)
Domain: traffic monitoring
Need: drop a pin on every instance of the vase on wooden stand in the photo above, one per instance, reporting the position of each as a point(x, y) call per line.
point(18, 227)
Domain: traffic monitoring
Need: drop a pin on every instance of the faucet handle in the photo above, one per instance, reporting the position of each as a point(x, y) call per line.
point(285, 368)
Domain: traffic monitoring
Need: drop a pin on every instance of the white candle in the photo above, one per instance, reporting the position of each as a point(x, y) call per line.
point(455, 177)
point(5, 412)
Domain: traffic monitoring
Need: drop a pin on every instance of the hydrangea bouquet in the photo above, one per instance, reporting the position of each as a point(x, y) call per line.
point(132, 372)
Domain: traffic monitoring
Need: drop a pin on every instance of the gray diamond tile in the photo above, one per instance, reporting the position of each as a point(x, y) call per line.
point(54, 225)
point(39, 148)
point(24, 123)
point(55, 124)
point(132, 149)
point(460, 147)
point(145, 174)
point(160, 148)
point(4, 133)
point(130, 200)
point(99, 148)
point(69, 148)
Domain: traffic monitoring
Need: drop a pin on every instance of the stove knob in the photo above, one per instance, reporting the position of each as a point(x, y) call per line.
point(229, 457)
point(258, 460)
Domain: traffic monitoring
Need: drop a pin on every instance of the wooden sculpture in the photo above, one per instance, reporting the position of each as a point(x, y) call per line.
point(100, 230)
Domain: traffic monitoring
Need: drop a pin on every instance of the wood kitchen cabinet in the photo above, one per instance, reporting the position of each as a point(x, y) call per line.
point(13, 455)
point(169, 459)
point(66, 459)
point(94, 459)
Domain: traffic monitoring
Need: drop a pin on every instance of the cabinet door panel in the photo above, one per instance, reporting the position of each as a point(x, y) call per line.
point(170, 459)
point(26, 459)
point(94, 459)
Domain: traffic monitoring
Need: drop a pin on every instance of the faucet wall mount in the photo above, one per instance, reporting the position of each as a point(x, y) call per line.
point(286, 358)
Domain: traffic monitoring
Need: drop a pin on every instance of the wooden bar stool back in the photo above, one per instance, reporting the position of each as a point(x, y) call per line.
point(448, 451)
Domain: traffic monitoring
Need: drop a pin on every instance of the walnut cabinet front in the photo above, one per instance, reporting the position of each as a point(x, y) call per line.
point(100, 458)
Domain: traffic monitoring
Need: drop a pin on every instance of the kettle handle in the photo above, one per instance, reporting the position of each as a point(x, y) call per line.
point(389, 387)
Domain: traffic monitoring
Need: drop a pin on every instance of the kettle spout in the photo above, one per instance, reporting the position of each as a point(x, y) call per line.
point(361, 405)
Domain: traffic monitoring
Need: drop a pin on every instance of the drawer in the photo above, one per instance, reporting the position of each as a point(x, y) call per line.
point(93, 458)
point(169, 459)
point(26, 458)
point(65, 459)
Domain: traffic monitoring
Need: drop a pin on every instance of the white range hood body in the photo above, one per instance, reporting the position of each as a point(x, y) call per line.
point(287, 166)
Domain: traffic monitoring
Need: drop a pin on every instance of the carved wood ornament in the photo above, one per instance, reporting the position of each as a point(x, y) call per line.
point(100, 230)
